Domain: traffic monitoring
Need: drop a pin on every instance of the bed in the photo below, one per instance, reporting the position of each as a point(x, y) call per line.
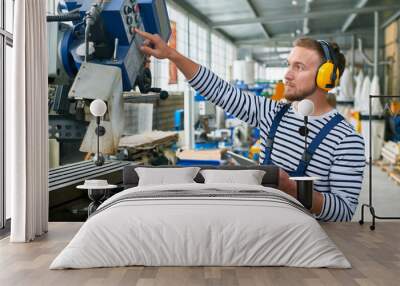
point(201, 224)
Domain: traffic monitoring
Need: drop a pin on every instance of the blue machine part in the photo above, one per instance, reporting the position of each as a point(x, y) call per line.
point(206, 145)
point(257, 90)
point(119, 17)
point(129, 60)
point(155, 24)
point(186, 162)
point(179, 119)
point(395, 124)
point(66, 57)
point(70, 4)
point(229, 116)
point(66, 6)
point(241, 85)
point(255, 133)
point(198, 97)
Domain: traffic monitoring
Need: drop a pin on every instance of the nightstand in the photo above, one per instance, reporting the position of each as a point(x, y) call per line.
point(98, 192)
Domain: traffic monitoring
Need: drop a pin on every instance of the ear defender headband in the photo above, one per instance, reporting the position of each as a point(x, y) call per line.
point(328, 72)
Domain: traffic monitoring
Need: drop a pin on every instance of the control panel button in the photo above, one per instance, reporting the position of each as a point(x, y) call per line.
point(129, 20)
point(127, 10)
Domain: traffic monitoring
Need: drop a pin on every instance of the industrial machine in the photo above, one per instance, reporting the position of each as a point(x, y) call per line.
point(94, 54)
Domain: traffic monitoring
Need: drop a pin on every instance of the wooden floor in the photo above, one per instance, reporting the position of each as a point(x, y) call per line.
point(375, 256)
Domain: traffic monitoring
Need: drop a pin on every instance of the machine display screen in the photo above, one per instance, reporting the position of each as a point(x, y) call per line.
point(155, 18)
point(163, 19)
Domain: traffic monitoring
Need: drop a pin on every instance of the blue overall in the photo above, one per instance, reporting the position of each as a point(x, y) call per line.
point(307, 155)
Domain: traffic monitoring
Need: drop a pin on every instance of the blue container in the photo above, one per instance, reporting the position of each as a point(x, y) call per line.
point(206, 145)
point(198, 162)
point(179, 119)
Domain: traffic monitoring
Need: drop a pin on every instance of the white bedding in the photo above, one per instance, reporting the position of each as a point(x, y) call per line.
point(185, 231)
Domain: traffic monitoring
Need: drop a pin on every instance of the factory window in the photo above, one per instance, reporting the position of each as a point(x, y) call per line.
point(192, 40)
point(6, 42)
point(217, 55)
point(223, 53)
point(198, 43)
point(202, 41)
point(275, 73)
point(9, 12)
point(263, 73)
point(230, 57)
point(161, 68)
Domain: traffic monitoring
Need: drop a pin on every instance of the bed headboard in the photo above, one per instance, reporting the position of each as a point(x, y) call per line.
point(270, 179)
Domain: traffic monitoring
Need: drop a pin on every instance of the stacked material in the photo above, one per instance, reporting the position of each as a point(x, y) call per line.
point(391, 156)
point(357, 92)
point(375, 115)
point(375, 89)
point(346, 91)
point(138, 118)
point(214, 154)
point(148, 139)
point(363, 104)
point(143, 145)
point(391, 152)
point(365, 87)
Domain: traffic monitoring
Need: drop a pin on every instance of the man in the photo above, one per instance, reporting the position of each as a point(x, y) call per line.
point(338, 159)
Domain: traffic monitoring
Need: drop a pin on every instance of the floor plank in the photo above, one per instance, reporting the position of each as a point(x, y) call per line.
point(374, 255)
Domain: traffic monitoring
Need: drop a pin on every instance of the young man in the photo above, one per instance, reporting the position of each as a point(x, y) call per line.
point(338, 154)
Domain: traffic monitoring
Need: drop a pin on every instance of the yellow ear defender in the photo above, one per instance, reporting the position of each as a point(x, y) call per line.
point(328, 72)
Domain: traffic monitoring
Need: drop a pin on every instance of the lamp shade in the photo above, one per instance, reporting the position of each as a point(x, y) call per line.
point(305, 107)
point(98, 107)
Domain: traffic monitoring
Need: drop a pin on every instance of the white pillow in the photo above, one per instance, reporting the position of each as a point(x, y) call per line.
point(248, 177)
point(166, 176)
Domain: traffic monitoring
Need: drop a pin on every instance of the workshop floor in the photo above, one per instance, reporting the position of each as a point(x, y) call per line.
point(385, 195)
point(374, 256)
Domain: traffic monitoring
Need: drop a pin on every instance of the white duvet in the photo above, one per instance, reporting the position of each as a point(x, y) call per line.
point(200, 231)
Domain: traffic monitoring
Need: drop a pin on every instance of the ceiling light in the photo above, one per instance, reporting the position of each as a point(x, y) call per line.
point(294, 2)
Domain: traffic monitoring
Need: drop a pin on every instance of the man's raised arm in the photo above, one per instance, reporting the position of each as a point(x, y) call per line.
point(245, 106)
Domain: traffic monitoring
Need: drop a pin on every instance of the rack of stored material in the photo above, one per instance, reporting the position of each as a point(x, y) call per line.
point(163, 111)
point(370, 203)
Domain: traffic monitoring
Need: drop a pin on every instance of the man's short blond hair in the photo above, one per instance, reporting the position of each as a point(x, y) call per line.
point(314, 45)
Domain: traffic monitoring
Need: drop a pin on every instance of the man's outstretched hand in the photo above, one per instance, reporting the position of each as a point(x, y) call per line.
point(154, 46)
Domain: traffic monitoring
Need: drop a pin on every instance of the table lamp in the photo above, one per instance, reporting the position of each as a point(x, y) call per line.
point(305, 108)
point(98, 108)
point(305, 184)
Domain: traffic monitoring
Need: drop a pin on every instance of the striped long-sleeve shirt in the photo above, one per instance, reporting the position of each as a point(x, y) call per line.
point(339, 160)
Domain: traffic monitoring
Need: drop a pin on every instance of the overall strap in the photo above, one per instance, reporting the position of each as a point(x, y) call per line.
point(307, 155)
point(271, 135)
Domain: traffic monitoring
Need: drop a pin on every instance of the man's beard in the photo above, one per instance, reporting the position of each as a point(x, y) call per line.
point(302, 95)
